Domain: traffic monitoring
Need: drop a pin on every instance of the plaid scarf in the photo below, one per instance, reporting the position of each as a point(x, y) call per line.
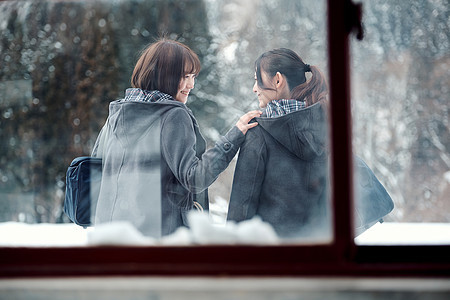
point(138, 95)
point(277, 108)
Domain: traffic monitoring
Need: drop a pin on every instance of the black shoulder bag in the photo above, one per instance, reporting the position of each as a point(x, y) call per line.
point(83, 180)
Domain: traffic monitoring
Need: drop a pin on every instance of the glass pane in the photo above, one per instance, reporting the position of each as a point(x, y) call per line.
point(400, 80)
point(64, 62)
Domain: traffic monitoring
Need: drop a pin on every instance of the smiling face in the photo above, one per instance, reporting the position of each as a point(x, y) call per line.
point(267, 94)
point(275, 88)
point(167, 66)
point(184, 88)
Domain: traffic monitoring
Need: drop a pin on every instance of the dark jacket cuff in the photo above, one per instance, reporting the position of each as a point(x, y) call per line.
point(232, 140)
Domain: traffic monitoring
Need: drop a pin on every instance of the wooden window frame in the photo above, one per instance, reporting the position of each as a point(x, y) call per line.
point(340, 258)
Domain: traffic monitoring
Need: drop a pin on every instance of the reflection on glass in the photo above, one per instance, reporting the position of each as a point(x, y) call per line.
point(400, 116)
point(64, 62)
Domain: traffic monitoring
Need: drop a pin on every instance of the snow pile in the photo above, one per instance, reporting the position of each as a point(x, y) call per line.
point(117, 233)
point(201, 232)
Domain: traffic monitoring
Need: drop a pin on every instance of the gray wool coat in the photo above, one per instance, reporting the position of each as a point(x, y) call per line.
point(155, 164)
point(281, 173)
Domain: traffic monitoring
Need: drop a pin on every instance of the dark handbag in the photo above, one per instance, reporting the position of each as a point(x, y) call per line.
point(83, 180)
point(372, 200)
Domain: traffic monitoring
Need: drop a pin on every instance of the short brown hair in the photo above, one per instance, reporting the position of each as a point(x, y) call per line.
point(162, 64)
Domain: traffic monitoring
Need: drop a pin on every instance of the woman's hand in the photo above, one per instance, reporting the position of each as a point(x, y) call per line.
point(243, 124)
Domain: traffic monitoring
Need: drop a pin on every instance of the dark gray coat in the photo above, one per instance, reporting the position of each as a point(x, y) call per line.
point(281, 173)
point(155, 164)
point(282, 176)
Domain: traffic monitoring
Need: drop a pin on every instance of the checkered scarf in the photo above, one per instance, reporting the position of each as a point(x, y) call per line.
point(135, 94)
point(277, 108)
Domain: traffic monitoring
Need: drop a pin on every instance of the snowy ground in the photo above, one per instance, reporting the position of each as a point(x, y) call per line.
point(14, 234)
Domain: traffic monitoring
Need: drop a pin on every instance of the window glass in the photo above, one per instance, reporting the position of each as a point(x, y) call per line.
point(400, 80)
point(64, 62)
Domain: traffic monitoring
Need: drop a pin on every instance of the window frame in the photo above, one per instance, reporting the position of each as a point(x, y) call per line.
point(340, 258)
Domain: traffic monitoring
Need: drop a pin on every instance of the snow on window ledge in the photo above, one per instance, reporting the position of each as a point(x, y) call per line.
point(202, 232)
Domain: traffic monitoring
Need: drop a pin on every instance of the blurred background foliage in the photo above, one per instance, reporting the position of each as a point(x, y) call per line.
point(62, 62)
point(401, 81)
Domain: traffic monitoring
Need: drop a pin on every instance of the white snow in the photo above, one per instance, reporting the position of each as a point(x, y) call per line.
point(16, 234)
point(447, 176)
point(388, 233)
point(201, 232)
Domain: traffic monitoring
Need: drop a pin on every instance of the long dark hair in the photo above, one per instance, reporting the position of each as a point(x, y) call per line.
point(162, 64)
point(289, 64)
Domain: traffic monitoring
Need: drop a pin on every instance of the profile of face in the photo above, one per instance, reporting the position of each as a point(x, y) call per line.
point(275, 88)
point(264, 95)
point(184, 87)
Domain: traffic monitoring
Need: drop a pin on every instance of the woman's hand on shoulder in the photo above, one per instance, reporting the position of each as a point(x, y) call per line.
point(243, 124)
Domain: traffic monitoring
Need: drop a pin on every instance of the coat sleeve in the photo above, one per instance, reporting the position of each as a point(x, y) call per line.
point(178, 145)
point(248, 177)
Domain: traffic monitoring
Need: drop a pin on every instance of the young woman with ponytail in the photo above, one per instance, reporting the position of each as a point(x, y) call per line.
point(282, 169)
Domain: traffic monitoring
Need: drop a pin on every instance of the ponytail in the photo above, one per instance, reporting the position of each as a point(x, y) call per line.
point(313, 90)
point(289, 64)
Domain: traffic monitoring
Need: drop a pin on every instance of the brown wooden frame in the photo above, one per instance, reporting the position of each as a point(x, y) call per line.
point(340, 258)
